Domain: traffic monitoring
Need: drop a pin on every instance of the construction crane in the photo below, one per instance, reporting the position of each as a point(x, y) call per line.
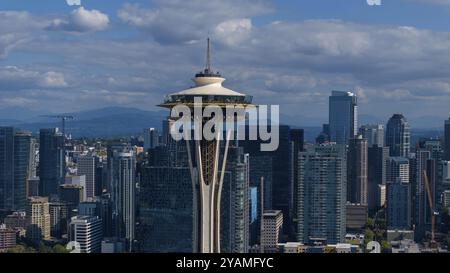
point(63, 121)
point(432, 211)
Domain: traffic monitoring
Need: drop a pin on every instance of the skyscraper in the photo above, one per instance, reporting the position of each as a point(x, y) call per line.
point(86, 165)
point(6, 167)
point(447, 140)
point(24, 164)
point(166, 209)
point(427, 161)
point(398, 136)
point(398, 205)
point(376, 174)
point(343, 116)
point(151, 138)
point(16, 167)
point(208, 159)
point(122, 189)
point(238, 166)
point(297, 141)
point(276, 169)
point(398, 170)
point(373, 133)
point(52, 169)
point(322, 195)
point(398, 194)
point(357, 186)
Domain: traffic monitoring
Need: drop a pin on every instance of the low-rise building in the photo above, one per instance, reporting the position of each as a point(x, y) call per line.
point(7, 238)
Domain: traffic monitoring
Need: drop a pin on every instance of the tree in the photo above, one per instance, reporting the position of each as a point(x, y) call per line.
point(21, 249)
point(385, 247)
point(60, 249)
point(44, 249)
point(370, 223)
point(368, 236)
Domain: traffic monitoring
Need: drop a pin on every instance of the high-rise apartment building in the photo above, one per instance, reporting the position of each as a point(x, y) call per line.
point(38, 219)
point(357, 185)
point(322, 194)
point(238, 167)
point(122, 186)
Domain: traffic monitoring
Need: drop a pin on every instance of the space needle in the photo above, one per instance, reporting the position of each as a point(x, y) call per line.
point(208, 160)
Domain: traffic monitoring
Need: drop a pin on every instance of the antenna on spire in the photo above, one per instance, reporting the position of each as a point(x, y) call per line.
point(208, 72)
point(208, 57)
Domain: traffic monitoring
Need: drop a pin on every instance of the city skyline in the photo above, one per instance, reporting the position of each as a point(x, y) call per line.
point(221, 171)
point(124, 54)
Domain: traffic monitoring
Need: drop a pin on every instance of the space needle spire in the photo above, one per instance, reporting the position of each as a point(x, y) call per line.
point(207, 161)
point(208, 57)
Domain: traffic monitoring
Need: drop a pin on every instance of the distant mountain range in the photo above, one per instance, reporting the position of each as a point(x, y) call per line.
point(124, 121)
point(105, 122)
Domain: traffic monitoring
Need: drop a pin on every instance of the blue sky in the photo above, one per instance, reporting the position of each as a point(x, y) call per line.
point(60, 58)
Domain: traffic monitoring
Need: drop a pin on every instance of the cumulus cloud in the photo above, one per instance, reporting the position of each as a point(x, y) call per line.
point(175, 21)
point(52, 79)
point(291, 63)
point(233, 32)
point(82, 20)
point(15, 78)
point(288, 63)
point(16, 28)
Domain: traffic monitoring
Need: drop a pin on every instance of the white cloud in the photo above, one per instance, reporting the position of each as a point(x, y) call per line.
point(233, 32)
point(13, 78)
point(175, 21)
point(82, 20)
point(53, 79)
point(16, 28)
point(293, 63)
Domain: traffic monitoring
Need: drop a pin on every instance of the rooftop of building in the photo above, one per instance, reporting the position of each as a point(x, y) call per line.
point(272, 212)
point(70, 186)
point(38, 199)
point(336, 93)
point(400, 159)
